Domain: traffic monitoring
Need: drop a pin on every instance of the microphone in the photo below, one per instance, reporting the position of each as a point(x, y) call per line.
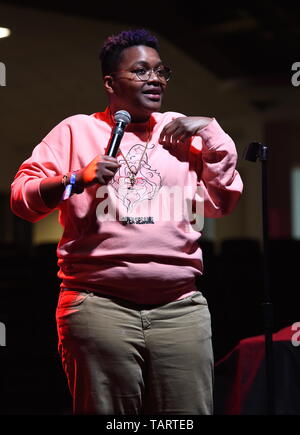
point(122, 119)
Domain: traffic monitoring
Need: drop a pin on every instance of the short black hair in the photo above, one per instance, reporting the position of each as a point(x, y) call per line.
point(114, 45)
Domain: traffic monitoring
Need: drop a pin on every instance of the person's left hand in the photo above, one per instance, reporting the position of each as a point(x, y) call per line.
point(180, 129)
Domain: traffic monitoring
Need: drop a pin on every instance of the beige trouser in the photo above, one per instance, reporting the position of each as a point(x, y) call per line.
point(122, 358)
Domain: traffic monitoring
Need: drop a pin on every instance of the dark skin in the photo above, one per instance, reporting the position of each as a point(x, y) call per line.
point(126, 92)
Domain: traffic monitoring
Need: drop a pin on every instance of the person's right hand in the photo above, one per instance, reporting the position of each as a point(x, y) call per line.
point(100, 170)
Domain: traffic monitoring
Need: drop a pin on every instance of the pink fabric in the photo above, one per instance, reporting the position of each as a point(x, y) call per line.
point(142, 262)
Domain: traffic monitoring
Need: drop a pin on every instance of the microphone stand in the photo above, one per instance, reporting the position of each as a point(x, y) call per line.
point(254, 151)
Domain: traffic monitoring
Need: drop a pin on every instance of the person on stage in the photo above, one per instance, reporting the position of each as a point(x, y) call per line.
point(134, 331)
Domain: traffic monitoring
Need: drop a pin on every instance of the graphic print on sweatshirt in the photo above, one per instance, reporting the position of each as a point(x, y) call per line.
point(147, 180)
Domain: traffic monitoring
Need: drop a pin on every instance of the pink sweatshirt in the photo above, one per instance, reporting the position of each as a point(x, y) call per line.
point(115, 241)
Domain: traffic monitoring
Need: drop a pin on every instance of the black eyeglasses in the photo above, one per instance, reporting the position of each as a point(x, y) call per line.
point(162, 72)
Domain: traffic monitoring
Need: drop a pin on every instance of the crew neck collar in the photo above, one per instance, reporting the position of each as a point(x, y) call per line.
point(133, 126)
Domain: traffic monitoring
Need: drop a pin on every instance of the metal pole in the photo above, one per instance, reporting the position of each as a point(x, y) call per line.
point(257, 150)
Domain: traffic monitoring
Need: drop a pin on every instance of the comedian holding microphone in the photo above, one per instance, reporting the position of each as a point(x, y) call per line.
point(134, 331)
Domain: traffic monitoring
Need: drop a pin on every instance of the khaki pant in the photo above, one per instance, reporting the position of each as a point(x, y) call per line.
point(122, 358)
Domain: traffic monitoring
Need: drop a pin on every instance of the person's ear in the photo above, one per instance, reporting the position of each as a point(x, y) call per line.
point(108, 83)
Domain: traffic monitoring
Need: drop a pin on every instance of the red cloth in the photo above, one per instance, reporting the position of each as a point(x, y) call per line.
point(241, 376)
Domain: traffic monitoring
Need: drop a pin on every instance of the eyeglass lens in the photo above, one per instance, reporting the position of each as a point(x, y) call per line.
point(162, 73)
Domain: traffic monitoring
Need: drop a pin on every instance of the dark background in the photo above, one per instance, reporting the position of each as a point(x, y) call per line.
point(257, 41)
point(247, 43)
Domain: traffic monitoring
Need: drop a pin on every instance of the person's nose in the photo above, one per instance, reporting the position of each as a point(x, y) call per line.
point(154, 77)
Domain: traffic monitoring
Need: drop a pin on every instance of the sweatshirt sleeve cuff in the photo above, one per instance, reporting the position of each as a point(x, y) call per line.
point(213, 135)
point(34, 198)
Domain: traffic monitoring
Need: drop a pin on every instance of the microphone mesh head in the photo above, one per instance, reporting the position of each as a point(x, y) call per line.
point(123, 116)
